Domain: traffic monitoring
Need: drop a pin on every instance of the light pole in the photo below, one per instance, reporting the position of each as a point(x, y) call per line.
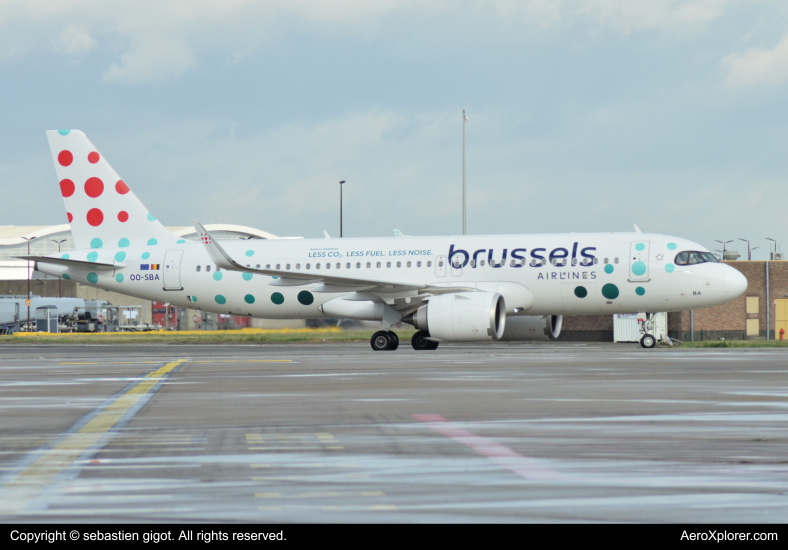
point(59, 279)
point(28, 239)
point(340, 208)
point(464, 120)
point(770, 248)
point(723, 246)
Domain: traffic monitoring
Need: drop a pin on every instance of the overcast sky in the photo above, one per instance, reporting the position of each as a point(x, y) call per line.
point(585, 115)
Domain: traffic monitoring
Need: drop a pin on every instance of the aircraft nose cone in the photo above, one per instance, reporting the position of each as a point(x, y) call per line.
point(735, 282)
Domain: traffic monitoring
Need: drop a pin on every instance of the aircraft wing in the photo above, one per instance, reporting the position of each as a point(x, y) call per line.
point(331, 283)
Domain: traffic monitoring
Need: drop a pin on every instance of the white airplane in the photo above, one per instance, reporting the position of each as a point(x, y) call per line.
point(451, 288)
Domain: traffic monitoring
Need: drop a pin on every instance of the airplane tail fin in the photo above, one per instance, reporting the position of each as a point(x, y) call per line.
point(101, 209)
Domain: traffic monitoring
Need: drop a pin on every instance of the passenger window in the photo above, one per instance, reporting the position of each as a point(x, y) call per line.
point(440, 264)
point(198, 268)
point(399, 264)
point(257, 266)
point(278, 266)
point(317, 266)
point(615, 260)
point(473, 263)
point(429, 264)
point(358, 265)
point(347, 265)
point(481, 263)
point(328, 265)
point(369, 265)
point(378, 264)
point(207, 268)
point(605, 262)
point(268, 266)
point(388, 264)
point(418, 264)
point(574, 261)
point(298, 266)
point(408, 264)
point(287, 266)
point(339, 265)
point(308, 266)
point(596, 261)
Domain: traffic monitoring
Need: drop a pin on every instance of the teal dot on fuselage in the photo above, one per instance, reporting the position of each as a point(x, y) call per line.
point(610, 291)
point(63, 132)
point(249, 253)
point(609, 268)
point(669, 268)
point(640, 247)
point(671, 246)
point(581, 292)
point(151, 217)
point(96, 243)
point(145, 255)
point(305, 297)
point(217, 275)
point(249, 299)
point(66, 277)
point(93, 256)
point(92, 277)
point(180, 241)
point(194, 298)
point(123, 243)
point(247, 276)
point(65, 256)
point(119, 277)
point(639, 268)
point(277, 298)
point(120, 256)
point(152, 242)
point(640, 291)
point(221, 300)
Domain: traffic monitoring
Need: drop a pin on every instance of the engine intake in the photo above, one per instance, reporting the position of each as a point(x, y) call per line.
point(463, 317)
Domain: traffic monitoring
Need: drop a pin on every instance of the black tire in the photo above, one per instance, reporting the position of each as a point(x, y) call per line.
point(380, 341)
point(420, 343)
point(393, 340)
point(648, 341)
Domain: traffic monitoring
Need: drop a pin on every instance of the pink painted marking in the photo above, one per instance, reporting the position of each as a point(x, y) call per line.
point(501, 455)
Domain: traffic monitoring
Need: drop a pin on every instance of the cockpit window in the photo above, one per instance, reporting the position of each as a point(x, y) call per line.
point(691, 258)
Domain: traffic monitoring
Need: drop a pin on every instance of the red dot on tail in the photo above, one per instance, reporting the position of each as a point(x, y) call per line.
point(65, 158)
point(67, 188)
point(123, 216)
point(95, 217)
point(94, 187)
point(70, 217)
point(93, 157)
point(121, 187)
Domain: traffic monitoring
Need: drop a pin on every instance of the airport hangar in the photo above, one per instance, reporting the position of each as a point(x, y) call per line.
point(759, 313)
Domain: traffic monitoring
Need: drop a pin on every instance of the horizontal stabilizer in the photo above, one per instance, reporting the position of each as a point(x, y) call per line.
point(77, 264)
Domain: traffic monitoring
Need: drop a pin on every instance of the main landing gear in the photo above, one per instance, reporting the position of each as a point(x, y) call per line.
point(385, 340)
point(420, 342)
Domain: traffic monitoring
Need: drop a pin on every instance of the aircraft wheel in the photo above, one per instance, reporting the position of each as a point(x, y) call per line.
point(648, 341)
point(420, 343)
point(380, 341)
point(393, 340)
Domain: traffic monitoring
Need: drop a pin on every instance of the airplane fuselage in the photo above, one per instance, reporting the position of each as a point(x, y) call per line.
point(569, 274)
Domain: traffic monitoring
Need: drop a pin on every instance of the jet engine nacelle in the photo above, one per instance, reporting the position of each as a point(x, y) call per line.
point(533, 327)
point(463, 317)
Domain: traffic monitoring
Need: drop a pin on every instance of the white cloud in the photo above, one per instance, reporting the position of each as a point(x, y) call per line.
point(159, 39)
point(76, 41)
point(152, 61)
point(758, 67)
